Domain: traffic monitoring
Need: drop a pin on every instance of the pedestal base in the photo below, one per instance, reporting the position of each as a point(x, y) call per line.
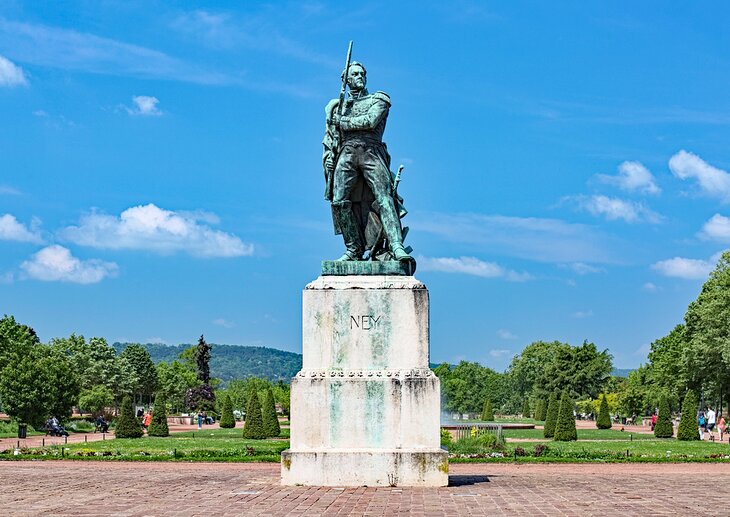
point(365, 467)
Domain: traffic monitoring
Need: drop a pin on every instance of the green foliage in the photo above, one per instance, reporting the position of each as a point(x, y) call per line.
point(541, 410)
point(139, 370)
point(270, 420)
point(565, 426)
point(174, 380)
point(551, 417)
point(467, 385)
point(604, 417)
point(200, 398)
point(487, 413)
point(663, 427)
point(669, 369)
point(127, 425)
point(227, 419)
point(96, 399)
point(233, 361)
point(202, 360)
point(446, 438)
point(253, 428)
point(526, 409)
point(687, 429)
point(158, 425)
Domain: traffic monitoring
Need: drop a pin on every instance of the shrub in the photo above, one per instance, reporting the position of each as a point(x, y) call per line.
point(541, 449)
point(688, 422)
point(604, 417)
point(526, 409)
point(253, 428)
point(228, 421)
point(127, 425)
point(565, 426)
point(201, 398)
point(519, 451)
point(158, 425)
point(270, 420)
point(446, 439)
point(487, 413)
point(663, 427)
point(540, 410)
point(551, 417)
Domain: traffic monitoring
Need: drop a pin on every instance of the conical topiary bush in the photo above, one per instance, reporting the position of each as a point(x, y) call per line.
point(551, 417)
point(526, 408)
point(604, 417)
point(687, 429)
point(663, 427)
point(228, 421)
point(254, 426)
point(565, 427)
point(487, 413)
point(540, 410)
point(271, 421)
point(127, 425)
point(158, 426)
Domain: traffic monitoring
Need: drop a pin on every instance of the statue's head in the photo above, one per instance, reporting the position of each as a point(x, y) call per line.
point(357, 76)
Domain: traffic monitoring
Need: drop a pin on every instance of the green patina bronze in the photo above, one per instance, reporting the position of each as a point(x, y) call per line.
point(368, 267)
point(363, 191)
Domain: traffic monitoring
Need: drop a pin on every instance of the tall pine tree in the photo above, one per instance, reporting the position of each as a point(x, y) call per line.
point(271, 421)
point(688, 429)
point(604, 417)
point(551, 417)
point(228, 421)
point(565, 427)
point(526, 408)
point(127, 425)
point(487, 413)
point(540, 410)
point(158, 426)
point(663, 427)
point(253, 428)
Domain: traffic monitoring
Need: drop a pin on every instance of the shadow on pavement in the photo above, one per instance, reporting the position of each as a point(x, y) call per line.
point(467, 480)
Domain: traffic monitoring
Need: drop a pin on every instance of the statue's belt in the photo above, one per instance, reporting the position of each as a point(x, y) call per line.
point(355, 140)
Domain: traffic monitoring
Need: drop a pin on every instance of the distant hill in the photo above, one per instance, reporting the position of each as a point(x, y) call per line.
point(230, 362)
point(621, 372)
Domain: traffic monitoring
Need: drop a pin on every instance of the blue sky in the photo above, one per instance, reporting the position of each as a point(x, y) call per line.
point(160, 165)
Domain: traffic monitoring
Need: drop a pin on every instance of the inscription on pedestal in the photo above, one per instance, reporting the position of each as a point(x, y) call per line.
point(364, 322)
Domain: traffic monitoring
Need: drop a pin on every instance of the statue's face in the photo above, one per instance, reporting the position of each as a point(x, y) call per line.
point(356, 78)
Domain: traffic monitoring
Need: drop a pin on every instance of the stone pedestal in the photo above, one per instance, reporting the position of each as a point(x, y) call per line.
point(365, 408)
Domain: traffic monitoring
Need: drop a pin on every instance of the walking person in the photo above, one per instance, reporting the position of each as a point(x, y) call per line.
point(200, 420)
point(701, 423)
point(721, 426)
point(711, 420)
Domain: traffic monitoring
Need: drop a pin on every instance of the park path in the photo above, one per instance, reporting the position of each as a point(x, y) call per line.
point(78, 488)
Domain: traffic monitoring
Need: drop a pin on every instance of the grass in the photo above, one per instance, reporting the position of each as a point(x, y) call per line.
point(583, 434)
point(10, 430)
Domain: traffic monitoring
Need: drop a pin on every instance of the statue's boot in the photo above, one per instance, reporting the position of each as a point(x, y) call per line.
point(393, 232)
point(350, 230)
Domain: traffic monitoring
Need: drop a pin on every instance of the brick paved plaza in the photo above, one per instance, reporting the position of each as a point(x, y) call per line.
point(154, 489)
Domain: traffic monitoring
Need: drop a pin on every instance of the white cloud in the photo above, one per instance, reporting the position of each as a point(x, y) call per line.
point(615, 208)
point(649, 287)
point(152, 228)
point(470, 266)
point(499, 352)
point(10, 191)
point(505, 334)
point(531, 238)
point(56, 264)
point(712, 181)
point(12, 230)
point(156, 340)
point(717, 229)
point(688, 269)
point(582, 314)
point(11, 74)
point(633, 177)
point(223, 323)
point(144, 106)
point(582, 268)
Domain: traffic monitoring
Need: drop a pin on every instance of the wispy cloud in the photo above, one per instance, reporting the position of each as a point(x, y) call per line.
point(221, 322)
point(582, 314)
point(6, 190)
point(470, 266)
point(613, 209)
point(582, 268)
point(144, 106)
point(155, 229)
point(716, 229)
point(686, 268)
point(13, 230)
point(56, 264)
point(532, 238)
point(499, 352)
point(632, 177)
point(650, 287)
point(11, 74)
point(505, 334)
point(712, 181)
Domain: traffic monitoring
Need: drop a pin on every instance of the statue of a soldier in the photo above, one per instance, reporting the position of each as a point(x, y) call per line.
point(366, 208)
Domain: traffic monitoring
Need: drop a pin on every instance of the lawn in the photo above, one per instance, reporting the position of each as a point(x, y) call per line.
point(583, 434)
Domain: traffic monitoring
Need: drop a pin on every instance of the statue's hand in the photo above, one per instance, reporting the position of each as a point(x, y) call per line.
point(329, 164)
point(336, 119)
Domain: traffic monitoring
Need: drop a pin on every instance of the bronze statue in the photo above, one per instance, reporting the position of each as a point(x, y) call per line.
point(366, 208)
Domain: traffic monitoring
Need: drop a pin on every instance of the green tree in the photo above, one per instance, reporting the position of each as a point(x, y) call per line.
point(551, 417)
point(127, 425)
point(465, 387)
point(174, 380)
point(96, 399)
point(270, 420)
point(541, 410)
point(565, 426)
point(16, 340)
point(604, 417)
point(140, 372)
point(668, 365)
point(158, 425)
point(202, 360)
point(663, 427)
point(687, 429)
point(253, 428)
point(227, 419)
point(487, 413)
point(526, 408)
